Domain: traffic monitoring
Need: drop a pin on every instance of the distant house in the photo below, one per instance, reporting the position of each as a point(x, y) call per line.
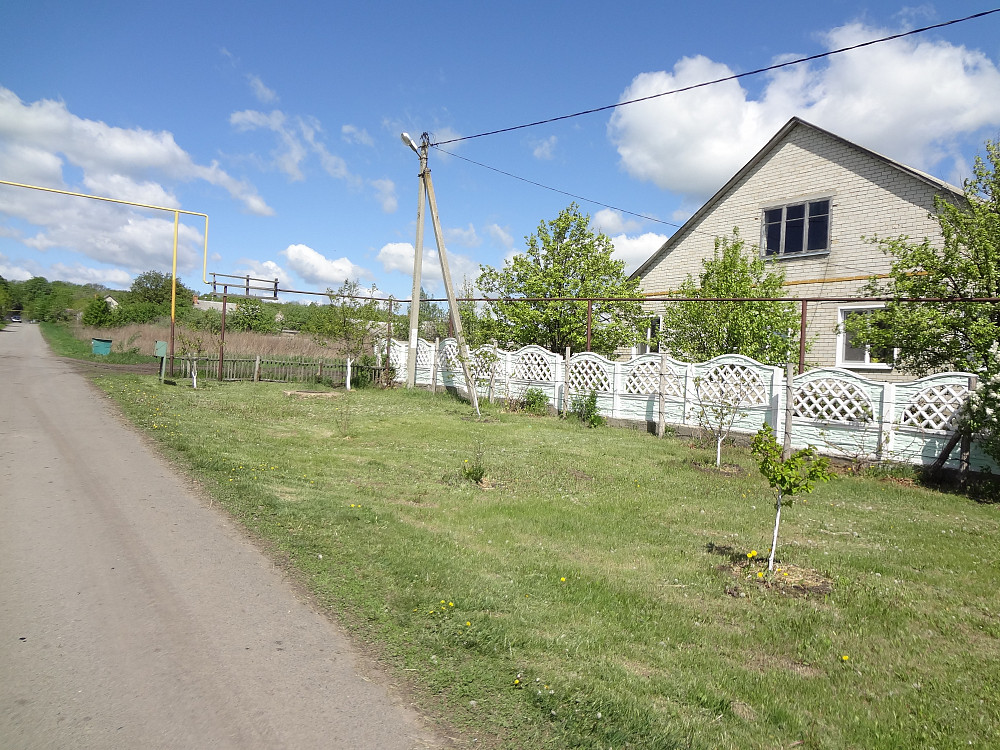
point(808, 198)
point(111, 302)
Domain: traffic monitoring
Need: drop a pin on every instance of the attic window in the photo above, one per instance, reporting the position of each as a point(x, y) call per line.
point(797, 228)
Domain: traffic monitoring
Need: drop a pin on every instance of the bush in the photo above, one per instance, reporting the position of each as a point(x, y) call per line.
point(536, 402)
point(584, 408)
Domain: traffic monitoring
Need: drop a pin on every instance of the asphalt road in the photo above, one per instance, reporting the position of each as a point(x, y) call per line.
point(135, 615)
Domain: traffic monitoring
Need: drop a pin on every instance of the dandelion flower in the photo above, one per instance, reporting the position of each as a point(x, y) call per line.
point(845, 657)
point(468, 624)
point(563, 579)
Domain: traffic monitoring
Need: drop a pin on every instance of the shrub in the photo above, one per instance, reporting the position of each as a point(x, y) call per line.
point(584, 408)
point(535, 401)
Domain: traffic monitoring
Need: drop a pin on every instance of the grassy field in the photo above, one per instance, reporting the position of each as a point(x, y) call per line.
point(593, 589)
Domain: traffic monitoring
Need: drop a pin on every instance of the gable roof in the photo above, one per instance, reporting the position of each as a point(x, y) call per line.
point(760, 156)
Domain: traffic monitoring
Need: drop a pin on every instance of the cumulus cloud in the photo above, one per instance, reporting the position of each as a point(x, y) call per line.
point(316, 268)
point(636, 250)
point(385, 192)
point(261, 91)
point(398, 256)
point(924, 99)
point(264, 269)
point(356, 135)
point(544, 149)
point(113, 278)
point(298, 139)
point(609, 221)
point(499, 234)
point(38, 141)
point(465, 237)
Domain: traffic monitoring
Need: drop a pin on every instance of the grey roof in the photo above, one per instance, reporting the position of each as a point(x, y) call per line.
point(760, 156)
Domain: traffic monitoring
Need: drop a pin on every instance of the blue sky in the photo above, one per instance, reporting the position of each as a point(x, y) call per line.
point(281, 121)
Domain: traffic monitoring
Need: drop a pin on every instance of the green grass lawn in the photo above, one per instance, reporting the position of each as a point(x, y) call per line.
point(594, 589)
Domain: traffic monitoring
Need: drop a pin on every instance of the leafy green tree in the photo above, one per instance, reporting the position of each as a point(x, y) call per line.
point(97, 313)
point(764, 331)
point(350, 321)
point(253, 315)
point(790, 476)
point(564, 258)
point(964, 264)
point(155, 287)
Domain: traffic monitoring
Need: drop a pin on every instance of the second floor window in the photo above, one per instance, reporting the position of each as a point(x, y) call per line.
point(797, 228)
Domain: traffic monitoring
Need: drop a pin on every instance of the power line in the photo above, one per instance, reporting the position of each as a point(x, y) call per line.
point(556, 190)
point(734, 77)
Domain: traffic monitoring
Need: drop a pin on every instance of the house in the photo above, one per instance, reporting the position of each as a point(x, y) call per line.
point(808, 199)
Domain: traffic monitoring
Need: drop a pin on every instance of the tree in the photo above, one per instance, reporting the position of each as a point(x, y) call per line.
point(764, 331)
point(563, 259)
point(253, 315)
point(350, 319)
point(97, 313)
point(155, 287)
point(965, 264)
point(787, 476)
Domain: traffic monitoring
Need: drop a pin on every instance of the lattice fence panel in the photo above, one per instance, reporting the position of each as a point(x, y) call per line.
point(425, 355)
point(532, 366)
point(734, 384)
point(935, 408)
point(832, 400)
point(587, 375)
point(485, 362)
point(448, 357)
point(645, 380)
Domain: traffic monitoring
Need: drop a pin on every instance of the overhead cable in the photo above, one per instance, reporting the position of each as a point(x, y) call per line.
point(734, 77)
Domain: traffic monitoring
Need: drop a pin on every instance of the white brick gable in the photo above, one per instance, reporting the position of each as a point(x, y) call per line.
point(870, 196)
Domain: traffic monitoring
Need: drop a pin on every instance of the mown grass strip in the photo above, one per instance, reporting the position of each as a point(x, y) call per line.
point(594, 589)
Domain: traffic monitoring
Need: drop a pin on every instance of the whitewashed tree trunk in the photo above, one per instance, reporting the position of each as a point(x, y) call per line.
point(774, 540)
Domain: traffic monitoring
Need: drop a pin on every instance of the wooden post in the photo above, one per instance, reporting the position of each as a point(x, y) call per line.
point(256, 370)
point(789, 409)
point(434, 364)
point(222, 333)
point(566, 383)
point(661, 422)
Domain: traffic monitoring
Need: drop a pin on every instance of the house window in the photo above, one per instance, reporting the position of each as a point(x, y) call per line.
point(851, 353)
point(652, 337)
point(797, 228)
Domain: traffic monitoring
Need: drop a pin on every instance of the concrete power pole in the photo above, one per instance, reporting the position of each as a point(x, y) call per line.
point(464, 356)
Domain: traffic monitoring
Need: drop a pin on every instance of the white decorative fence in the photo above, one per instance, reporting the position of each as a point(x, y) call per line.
point(838, 411)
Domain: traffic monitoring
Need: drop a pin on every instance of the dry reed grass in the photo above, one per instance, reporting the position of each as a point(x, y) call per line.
point(238, 344)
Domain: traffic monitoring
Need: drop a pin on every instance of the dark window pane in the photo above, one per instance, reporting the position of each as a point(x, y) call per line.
point(794, 234)
point(819, 232)
point(819, 208)
point(795, 212)
point(773, 216)
point(773, 238)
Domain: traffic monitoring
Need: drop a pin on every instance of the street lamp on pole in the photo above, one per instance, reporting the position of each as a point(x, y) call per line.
point(418, 251)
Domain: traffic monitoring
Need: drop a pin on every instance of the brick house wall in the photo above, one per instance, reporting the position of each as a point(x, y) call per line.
point(869, 196)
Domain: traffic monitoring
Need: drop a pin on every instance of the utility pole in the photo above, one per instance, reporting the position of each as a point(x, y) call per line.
point(427, 187)
point(418, 252)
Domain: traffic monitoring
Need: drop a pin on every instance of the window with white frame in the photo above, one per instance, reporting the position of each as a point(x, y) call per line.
point(851, 353)
point(651, 342)
point(797, 228)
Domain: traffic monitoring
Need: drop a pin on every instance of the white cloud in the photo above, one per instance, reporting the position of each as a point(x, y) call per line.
point(636, 250)
point(500, 234)
point(266, 269)
point(385, 193)
point(113, 278)
point(398, 256)
point(38, 141)
point(544, 149)
point(315, 268)
point(609, 222)
point(353, 134)
point(298, 138)
point(912, 99)
point(464, 237)
point(261, 91)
